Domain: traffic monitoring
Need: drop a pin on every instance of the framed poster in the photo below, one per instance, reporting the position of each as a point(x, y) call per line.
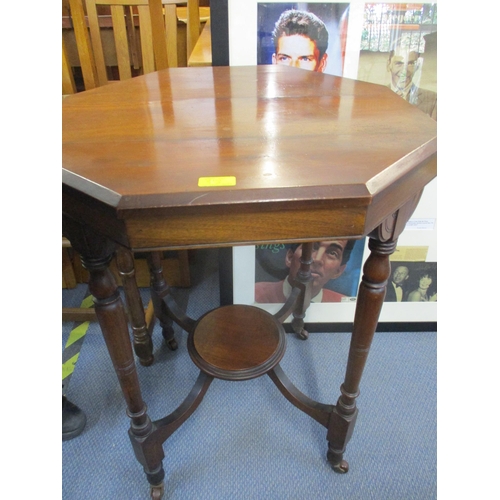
point(325, 23)
point(391, 44)
point(398, 48)
point(261, 277)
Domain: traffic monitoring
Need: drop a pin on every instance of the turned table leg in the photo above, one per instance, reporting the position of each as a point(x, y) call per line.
point(303, 281)
point(371, 294)
point(113, 322)
point(159, 290)
point(96, 253)
point(143, 345)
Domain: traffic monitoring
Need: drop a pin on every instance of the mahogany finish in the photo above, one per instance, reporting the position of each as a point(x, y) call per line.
point(237, 342)
point(314, 157)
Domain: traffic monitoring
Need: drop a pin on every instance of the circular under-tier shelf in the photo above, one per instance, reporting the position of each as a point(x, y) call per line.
point(237, 342)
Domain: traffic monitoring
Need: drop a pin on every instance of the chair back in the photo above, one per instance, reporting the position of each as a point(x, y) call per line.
point(193, 24)
point(74, 9)
point(68, 81)
point(151, 47)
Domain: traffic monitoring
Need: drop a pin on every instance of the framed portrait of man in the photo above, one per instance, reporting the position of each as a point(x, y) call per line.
point(251, 24)
point(304, 35)
point(335, 270)
point(263, 277)
point(398, 48)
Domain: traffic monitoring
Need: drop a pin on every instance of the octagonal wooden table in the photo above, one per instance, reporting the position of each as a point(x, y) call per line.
point(213, 157)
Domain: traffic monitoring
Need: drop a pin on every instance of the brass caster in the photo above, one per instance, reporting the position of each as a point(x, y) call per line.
point(147, 362)
point(337, 463)
point(172, 344)
point(304, 334)
point(168, 334)
point(341, 468)
point(157, 491)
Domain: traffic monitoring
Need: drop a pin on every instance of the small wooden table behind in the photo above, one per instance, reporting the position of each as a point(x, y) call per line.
point(213, 157)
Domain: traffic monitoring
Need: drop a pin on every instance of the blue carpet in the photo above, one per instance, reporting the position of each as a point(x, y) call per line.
point(247, 442)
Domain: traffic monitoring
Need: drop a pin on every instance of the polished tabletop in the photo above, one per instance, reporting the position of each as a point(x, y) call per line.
point(180, 148)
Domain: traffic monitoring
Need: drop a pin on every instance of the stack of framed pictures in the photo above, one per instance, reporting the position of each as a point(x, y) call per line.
point(392, 44)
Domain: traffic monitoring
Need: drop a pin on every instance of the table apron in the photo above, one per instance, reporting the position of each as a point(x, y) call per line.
point(215, 230)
